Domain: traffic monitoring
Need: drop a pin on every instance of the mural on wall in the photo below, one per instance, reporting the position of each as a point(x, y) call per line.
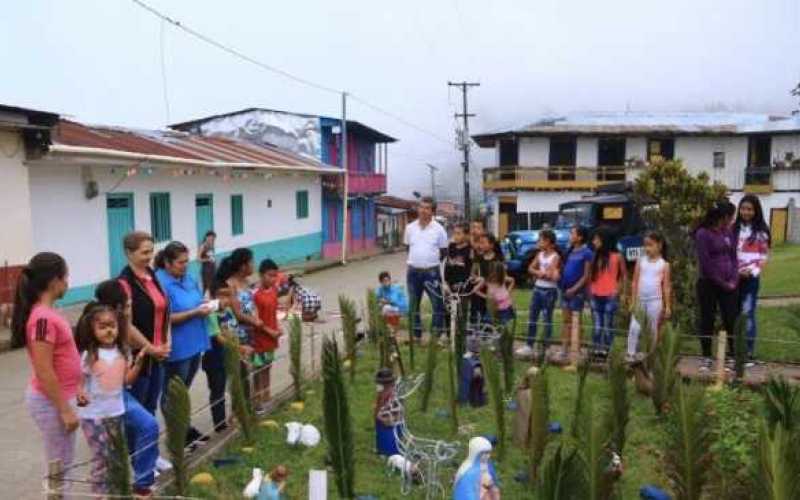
point(300, 134)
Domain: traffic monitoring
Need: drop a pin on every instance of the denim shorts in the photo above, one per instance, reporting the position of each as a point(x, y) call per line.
point(574, 303)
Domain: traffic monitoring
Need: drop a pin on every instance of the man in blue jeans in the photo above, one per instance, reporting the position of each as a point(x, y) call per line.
point(427, 247)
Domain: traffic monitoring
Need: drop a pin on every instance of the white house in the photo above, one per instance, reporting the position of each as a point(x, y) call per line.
point(77, 190)
point(556, 160)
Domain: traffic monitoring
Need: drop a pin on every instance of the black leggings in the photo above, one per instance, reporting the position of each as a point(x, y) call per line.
point(711, 296)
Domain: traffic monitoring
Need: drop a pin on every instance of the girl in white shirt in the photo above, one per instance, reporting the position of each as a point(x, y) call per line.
point(104, 363)
point(652, 290)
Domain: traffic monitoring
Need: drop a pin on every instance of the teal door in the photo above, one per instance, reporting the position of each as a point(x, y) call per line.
point(204, 214)
point(119, 211)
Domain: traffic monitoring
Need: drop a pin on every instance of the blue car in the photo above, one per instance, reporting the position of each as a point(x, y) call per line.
point(520, 246)
point(616, 211)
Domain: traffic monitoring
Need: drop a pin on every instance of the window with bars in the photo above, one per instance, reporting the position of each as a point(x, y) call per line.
point(160, 218)
point(237, 214)
point(301, 204)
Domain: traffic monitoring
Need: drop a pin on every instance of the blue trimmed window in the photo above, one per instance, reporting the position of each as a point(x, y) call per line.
point(160, 217)
point(301, 204)
point(237, 214)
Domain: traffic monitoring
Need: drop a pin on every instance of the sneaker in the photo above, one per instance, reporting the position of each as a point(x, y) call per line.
point(751, 361)
point(221, 428)
point(630, 358)
point(705, 365)
point(261, 410)
point(525, 351)
point(163, 465)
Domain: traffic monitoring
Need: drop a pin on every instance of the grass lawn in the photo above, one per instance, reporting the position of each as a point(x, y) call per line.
point(643, 455)
point(782, 271)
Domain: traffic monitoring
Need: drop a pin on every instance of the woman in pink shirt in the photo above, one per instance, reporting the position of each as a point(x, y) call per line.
point(54, 358)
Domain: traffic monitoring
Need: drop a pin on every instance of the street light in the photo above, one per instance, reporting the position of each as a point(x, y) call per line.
point(433, 179)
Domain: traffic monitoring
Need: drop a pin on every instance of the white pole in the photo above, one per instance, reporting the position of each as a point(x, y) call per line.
point(346, 177)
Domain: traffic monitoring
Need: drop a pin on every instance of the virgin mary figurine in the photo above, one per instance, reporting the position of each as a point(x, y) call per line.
point(388, 413)
point(476, 478)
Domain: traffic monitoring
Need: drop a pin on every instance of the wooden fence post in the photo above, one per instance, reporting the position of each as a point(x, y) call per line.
point(55, 480)
point(722, 348)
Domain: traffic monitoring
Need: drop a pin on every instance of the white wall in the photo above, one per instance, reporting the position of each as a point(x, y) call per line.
point(587, 152)
point(15, 203)
point(545, 201)
point(66, 222)
point(697, 154)
point(534, 151)
point(636, 147)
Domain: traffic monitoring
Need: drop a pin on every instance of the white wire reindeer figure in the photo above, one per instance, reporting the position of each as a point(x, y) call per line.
point(453, 296)
point(425, 455)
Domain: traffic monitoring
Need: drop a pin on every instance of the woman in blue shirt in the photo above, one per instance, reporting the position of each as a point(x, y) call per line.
point(188, 312)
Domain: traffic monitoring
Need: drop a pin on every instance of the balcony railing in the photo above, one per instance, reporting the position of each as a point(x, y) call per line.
point(558, 178)
point(758, 180)
point(362, 183)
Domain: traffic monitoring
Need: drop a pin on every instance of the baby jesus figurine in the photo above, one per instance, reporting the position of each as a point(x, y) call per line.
point(273, 486)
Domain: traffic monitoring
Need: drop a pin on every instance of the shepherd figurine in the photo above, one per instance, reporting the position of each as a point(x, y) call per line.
point(273, 486)
point(388, 413)
point(476, 478)
point(471, 384)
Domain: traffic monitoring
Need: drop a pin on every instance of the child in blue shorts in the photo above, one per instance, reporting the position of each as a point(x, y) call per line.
point(575, 277)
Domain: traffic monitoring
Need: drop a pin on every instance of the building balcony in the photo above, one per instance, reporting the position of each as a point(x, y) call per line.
point(758, 180)
point(551, 178)
point(360, 183)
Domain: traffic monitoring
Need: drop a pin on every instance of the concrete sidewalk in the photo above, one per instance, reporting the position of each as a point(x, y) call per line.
point(22, 460)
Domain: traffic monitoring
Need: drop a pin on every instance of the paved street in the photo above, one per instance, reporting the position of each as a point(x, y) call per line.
point(21, 461)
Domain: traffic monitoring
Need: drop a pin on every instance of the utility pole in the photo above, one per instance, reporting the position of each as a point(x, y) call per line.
point(346, 175)
point(466, 115)
point(433, 169)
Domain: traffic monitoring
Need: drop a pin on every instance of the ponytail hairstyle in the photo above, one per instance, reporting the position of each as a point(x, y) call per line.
point(35, 278)
point(602, 256)
point(717, 212)
point(170, 254)
point(87, 340)
point(232, 264)
point(658, 238)
point(758, 224)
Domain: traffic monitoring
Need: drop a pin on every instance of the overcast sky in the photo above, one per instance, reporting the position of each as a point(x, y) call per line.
point(99, 61)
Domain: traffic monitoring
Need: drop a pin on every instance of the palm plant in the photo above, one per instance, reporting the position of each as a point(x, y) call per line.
point(296, 356)
point(411, 313)
point(560, 476)
point(778, 468)
point(373, 315)
point(347, 308)
point(540, 419)
point(665, 368)
point(593, 437)
point(507, 354)
point(430, 370)
point(236, 387)
point(583, 372)
point(338, 423)
point(177, 412)
point(688, 441)
point(620, 402)
point(119, 467)
point(492, 372)
point(781, 403)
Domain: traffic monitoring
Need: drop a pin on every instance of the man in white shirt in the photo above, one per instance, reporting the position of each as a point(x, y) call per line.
point(427, 245)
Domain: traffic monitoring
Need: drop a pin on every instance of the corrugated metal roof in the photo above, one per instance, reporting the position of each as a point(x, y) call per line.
point(649, 123)
point(182, 145)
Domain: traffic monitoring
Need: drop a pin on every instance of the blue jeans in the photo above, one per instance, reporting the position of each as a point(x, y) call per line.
point(506, 316)
point(603, 310)
point(141, 429)
point(148, 385)
point(748, 296)
point(417, 282)
point(543, 301)
point(185, 369)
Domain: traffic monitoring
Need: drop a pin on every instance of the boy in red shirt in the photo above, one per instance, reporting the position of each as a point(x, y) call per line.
point(265, 339)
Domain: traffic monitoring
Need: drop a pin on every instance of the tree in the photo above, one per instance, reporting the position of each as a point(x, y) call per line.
point(672, 201)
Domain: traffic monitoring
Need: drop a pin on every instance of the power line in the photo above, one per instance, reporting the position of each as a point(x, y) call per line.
point(236, 53)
